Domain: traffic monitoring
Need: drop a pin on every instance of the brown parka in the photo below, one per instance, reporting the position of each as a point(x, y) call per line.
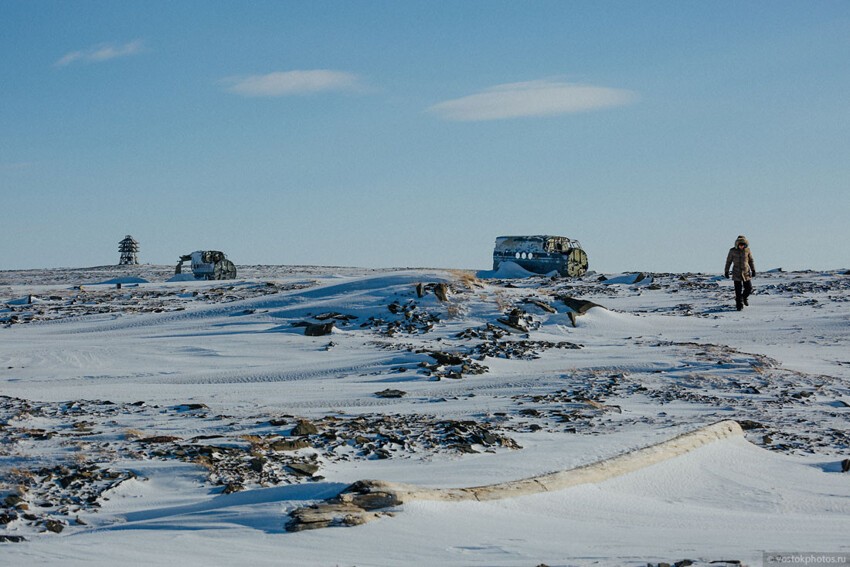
point(741, 261)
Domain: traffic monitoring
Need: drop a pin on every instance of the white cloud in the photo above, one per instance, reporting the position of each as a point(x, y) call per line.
point(533, 98)
point(283, 83)
point(101, 52)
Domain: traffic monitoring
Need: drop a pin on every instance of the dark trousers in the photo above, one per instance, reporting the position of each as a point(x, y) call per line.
point(742, 292)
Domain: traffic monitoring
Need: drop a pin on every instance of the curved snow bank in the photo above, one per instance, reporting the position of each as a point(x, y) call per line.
point(628, 279)
point(507, 271)
point(366, 500)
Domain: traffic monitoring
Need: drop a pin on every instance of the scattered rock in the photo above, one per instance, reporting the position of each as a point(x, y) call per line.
point(390, 393)
point(158, 439)
point(54, 526)
point(542, 305)
point(517, 319)
point(580, 306)
point(319, 329)
point(289, 445)
point(232, 487)
point(446, 358)
point(304, 427)
point(304, 469)
point(334, 315)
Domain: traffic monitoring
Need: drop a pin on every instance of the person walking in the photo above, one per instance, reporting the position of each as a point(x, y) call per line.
point(740, 259)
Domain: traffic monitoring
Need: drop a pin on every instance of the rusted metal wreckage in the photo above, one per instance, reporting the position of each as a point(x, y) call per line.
point(542, 254)
point(208, 265)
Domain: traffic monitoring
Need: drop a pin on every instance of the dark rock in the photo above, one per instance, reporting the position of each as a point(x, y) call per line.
point(304, 427)
point(446, 358)
point(12, 539)
point(334, 315)
point(390, 393)
point(518, 319)
point(304, 469)
point(54, 526)
point(580, 306)
point(158, 439)
point(257, 464)
point(542, 305)
point(319, 329)
point(287, 445)
point(12, 501)
point(845, 465)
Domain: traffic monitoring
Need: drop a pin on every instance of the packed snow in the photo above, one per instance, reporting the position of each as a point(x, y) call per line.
point(147, 420)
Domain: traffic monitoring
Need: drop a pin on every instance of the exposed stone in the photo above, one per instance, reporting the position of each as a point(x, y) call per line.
point(54, 526)
point(289, 445)
point(232, 487)
point(517, 319)
point(12, 501)
point(580, 306)
point(542, 305)
point(319, 329)
point(305, 469)
point(748, 424)
point(446, 358)
point(390, 393)
point(334, 315)
point(158, 439)
point(305, 427)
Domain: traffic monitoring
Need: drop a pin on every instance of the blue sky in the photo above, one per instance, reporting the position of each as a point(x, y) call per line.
point(409, 134)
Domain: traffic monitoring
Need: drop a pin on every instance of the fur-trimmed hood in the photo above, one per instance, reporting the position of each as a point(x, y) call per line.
point(742, 240)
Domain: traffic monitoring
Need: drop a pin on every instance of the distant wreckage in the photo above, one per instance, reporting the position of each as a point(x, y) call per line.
point(541, 254)
point(208, 265)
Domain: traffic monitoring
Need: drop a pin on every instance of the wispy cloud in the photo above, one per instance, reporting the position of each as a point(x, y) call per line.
point(545, 97)
point(101, 52)
point(285, 83)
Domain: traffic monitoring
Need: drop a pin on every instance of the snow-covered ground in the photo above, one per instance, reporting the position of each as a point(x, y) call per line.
point(160, 422)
